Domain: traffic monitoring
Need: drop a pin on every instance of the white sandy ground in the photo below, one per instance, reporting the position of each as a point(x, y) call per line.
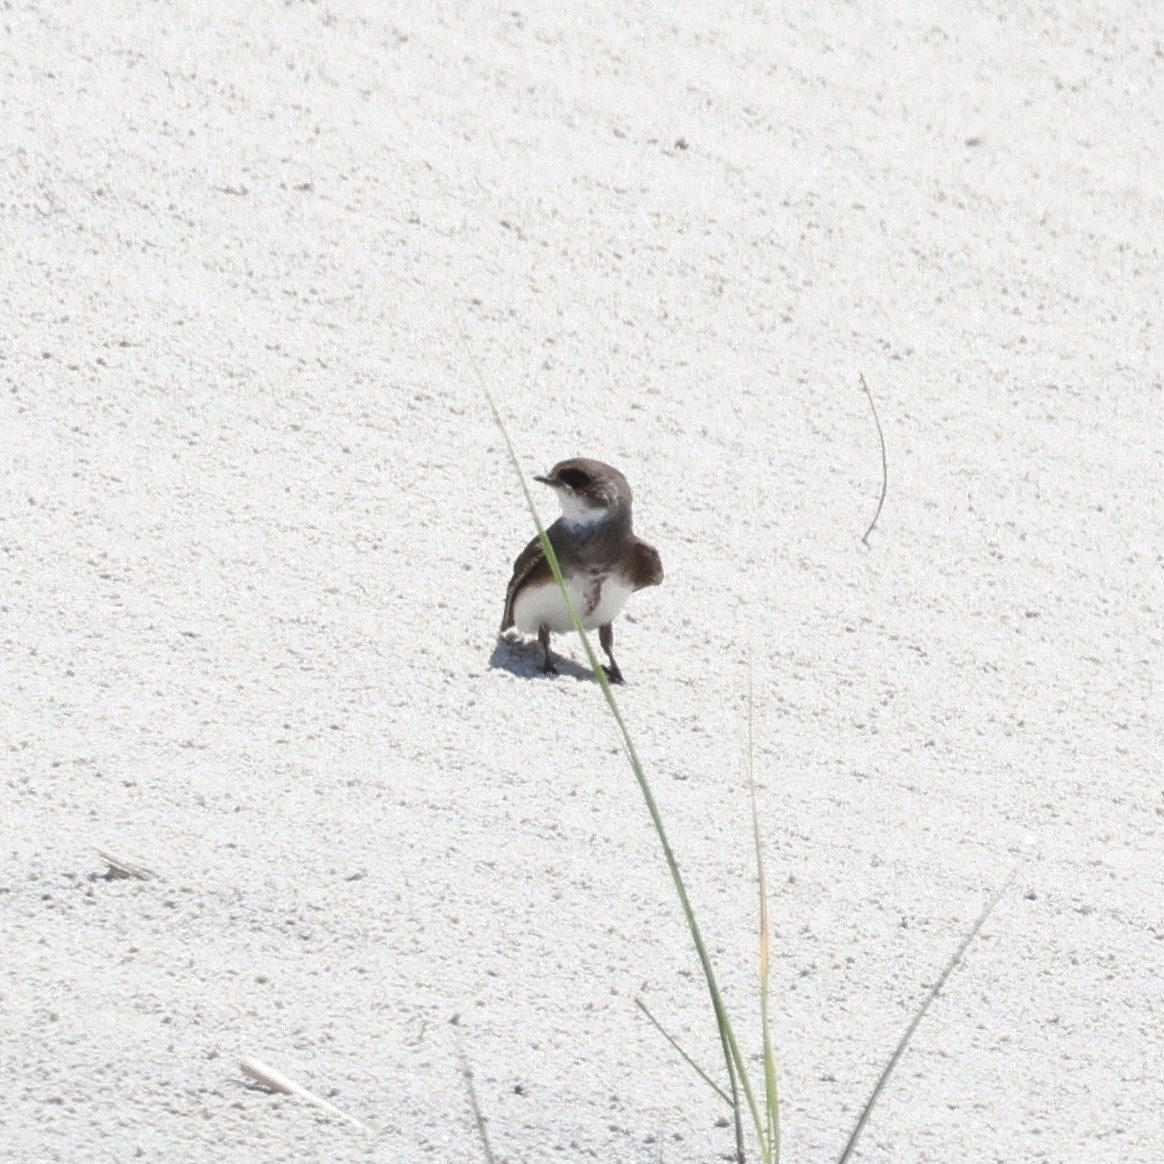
point(256, 525)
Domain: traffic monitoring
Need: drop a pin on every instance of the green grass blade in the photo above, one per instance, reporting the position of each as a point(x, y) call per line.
point(866, 1111)
point(771, 1095)
point(734, 1061)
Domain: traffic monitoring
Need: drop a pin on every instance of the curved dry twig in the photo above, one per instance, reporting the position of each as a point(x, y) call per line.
point(884, 461)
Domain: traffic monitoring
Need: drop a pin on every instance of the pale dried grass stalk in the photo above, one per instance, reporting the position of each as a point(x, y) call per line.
point(268, 1077)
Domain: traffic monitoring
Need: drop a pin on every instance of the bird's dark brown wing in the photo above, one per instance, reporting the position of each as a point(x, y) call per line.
point(530, 563)
point(647, 566)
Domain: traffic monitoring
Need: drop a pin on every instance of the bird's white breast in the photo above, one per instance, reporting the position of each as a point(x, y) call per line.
point(542, 605)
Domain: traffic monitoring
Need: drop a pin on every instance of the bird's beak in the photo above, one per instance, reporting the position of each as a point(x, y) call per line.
point(544, 481)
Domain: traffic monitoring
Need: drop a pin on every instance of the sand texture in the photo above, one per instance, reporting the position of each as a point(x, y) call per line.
point(256, 524)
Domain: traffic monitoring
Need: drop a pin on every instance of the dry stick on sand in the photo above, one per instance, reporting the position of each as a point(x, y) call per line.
point(268, 1077)
point(884, 461)
point(120, 869)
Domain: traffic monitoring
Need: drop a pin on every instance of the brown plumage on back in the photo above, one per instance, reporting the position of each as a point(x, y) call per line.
point(602, 561)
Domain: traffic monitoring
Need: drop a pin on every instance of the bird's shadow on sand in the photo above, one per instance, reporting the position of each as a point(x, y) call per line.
point(523, 659)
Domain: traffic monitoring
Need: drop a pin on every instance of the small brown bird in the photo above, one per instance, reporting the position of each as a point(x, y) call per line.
point(602, 561)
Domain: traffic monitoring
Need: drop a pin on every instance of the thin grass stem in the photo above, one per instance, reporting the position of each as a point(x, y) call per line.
point(683, 1054)
point(733, 1059)
point(478, 1118)
point(867, 1110)
point(771, 1095)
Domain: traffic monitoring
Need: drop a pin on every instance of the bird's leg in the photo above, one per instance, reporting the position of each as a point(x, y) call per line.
point(606, 639)
point(547, 658)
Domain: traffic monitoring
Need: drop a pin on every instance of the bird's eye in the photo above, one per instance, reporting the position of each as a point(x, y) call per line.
point(574, 478)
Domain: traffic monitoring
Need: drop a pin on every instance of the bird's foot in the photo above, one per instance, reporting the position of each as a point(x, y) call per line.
point(613, 674)
point(548, 667)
